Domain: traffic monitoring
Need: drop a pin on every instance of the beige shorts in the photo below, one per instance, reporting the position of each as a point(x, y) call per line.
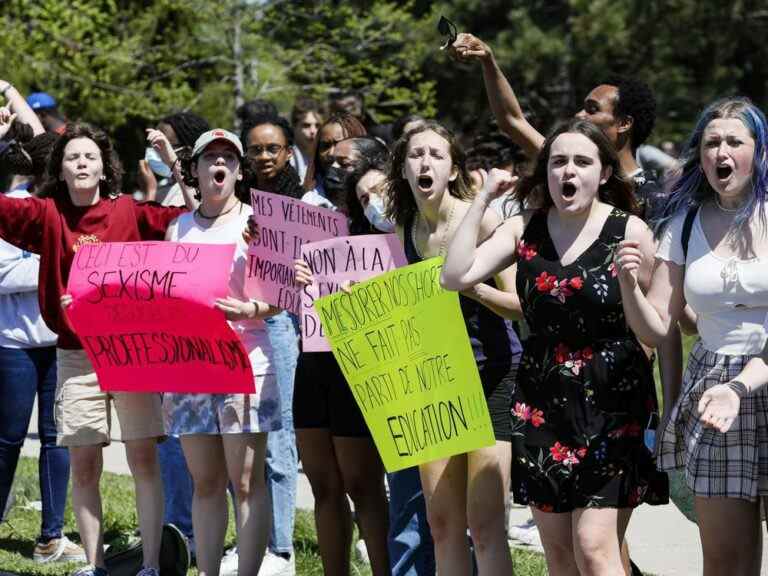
point(83, 412)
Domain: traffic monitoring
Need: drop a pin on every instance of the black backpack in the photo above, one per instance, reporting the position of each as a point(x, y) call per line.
point(687, 228)
point(174, 556)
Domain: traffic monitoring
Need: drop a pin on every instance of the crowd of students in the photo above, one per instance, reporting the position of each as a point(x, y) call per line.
point(575, 265)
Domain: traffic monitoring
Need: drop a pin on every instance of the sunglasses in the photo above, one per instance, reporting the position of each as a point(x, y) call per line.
point(448, 29)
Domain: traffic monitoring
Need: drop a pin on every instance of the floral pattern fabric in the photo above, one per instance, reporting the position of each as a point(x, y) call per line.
point(585, 392)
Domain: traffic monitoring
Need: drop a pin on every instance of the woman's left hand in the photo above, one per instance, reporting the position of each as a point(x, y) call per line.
point(719, 407)
point(235, 309)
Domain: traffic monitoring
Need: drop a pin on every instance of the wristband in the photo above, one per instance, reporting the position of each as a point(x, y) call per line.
point(739, 387)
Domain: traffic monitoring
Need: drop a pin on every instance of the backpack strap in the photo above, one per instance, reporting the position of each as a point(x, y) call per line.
point(687, 228)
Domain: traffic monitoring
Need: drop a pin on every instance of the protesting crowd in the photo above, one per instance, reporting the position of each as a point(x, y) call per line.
point(572, 262)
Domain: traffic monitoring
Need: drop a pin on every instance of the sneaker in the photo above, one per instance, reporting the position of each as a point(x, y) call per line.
point(148, 572)
point(90, 571)
point(58, 550)
point(521, 530)
point(276, 565)
point(229, 563)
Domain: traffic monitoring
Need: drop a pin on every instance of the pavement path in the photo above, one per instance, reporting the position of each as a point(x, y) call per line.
point(661, 540)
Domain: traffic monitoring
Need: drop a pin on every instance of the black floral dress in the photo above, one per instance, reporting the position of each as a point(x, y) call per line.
point(585, 392)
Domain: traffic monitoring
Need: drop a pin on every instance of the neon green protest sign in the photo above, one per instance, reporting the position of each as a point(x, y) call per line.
point(402, 345)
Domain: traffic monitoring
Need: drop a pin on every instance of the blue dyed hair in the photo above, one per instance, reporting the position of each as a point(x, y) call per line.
point(690, 187)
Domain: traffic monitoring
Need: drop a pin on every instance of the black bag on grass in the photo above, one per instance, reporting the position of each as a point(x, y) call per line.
point(174, 556)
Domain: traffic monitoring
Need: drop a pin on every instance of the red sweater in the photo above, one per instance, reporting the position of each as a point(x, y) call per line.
point(55, 228)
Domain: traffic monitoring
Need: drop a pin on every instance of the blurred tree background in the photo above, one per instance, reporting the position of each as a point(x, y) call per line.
point(122, 64)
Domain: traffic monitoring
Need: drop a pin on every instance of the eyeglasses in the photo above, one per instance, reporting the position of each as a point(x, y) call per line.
point(271, 150)
point(448, 29)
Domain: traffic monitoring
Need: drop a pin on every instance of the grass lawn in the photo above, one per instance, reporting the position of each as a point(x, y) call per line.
point(18, 534)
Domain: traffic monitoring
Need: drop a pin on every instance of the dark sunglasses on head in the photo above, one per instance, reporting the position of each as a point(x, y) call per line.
point(448, 29)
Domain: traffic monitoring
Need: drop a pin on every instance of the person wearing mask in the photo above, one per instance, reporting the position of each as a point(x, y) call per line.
point(306, 118)
point(28, 363)
point(336, 448)
point(324, 184)
point(156, 180)
point(79, 203)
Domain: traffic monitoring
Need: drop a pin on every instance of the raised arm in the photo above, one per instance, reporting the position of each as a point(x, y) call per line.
point(20, 107)
point(468, 263)
point(502, 99)
point(159, 142)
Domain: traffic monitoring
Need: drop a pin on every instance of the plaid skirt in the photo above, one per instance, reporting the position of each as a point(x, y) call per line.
point(730, 465)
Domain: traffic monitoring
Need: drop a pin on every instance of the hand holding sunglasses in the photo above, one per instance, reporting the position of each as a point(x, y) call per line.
point(467, 47)
point(448, 29)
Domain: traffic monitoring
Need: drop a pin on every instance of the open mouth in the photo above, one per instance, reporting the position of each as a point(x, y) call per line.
point(425, 182)
point(569, 189)
point(219, 176)
point(723, 172)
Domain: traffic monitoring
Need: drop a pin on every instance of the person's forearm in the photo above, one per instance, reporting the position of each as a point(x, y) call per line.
point(461, 251)
point(687, 321)
point(507, 110)
point(644, 320)
point(671, 367)
point(755, 374)
point(503, 303)
point(20, 107)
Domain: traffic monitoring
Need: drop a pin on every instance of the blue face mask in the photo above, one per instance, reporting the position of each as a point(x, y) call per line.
point(374, 212)
point(156, 163)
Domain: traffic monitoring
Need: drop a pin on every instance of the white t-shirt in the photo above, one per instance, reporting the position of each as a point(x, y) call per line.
point(252, 332)
point(729, 296)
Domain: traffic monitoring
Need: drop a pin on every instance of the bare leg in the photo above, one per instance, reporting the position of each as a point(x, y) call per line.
point(363, 476)
point(445, 490)
point(597, 534)
point(245, 454)
point(206, 463)
point(731, 536)
point(556, 534)
point(333, 519)
point(145, 468)
point(488, 468)
point(86, 465)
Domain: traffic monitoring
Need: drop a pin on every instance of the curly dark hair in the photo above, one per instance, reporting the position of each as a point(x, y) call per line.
point(187, 126)
point(634, 98)
point(618, 191)
point(111, 183)
point(271, 119)
point(372, 155)
point(401, 204)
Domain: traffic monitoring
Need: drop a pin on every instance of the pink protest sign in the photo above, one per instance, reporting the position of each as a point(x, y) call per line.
point(144, 314)
point(284, 225)
point(334, 261)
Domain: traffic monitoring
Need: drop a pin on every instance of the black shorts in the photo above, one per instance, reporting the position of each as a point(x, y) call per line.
point(322, 398)
point(498, 385)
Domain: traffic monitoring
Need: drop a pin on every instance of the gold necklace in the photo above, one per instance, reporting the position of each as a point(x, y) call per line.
point(443, 241)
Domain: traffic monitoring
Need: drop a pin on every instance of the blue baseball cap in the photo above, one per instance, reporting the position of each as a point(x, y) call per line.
point(38, 100)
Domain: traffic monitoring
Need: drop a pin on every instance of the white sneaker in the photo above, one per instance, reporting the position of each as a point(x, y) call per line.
point(229, 563)
point(275, 565)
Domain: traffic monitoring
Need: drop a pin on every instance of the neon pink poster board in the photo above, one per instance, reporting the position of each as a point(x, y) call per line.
point(334, 261)
point(144, 314)
point(284, 225)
